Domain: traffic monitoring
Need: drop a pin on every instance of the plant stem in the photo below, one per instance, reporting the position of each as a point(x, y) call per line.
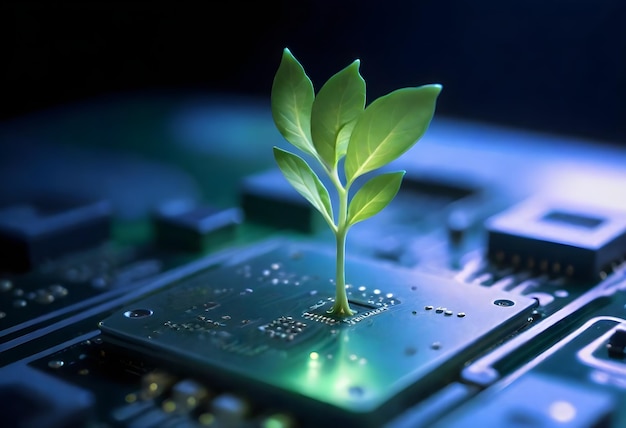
point(341, 306)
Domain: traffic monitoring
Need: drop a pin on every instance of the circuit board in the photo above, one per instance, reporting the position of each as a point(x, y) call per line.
point(266, 320)
point(186, 284)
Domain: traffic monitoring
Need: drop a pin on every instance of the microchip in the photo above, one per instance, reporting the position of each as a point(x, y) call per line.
point(446, 187)
point(267, 196)
point(261, 326)
point(558, 238)
point(195, 228)
point(45, 227)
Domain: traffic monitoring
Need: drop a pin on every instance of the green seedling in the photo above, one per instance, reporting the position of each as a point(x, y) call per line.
point(335, 129)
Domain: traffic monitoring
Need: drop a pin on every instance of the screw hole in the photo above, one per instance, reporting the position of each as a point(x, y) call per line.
point(138, 313)
point(504, 302)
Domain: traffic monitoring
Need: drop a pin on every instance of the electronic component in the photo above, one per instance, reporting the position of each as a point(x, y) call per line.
point(268, 199)
point(47, 227)
point(263, 323)
point(230, 410)
point(155, 383)
point(446, 187)
point(558, 238)
point(31, 399)
point(604, 350)
point(195, 228)
point(188, 394)
point(617, 344)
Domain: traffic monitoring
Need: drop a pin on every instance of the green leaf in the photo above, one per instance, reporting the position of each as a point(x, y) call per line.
point(340, 101)
point(374, 196)
point(292, 100)
point(305, 181)
point(344, 138)
point(388, 127)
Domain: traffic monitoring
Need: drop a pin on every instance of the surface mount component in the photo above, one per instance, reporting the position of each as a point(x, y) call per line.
point(447, 187)
point(261, 325)
point(558, 238)
point(195, 228)
point(617, 344)
point(31, 399)
point(47, 227)
point(267, 197)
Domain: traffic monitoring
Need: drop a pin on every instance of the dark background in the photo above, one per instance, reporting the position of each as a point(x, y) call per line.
point(548, 65)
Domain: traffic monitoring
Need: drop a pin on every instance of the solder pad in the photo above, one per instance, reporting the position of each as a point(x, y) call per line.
point(260, 325)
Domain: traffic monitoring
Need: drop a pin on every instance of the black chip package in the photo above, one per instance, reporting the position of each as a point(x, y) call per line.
point(559, 237)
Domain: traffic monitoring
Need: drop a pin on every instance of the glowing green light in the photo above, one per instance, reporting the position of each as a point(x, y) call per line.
point(314, 356)
point(277, 421)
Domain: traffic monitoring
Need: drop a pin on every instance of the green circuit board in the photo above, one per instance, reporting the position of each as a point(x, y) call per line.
point(265, 321)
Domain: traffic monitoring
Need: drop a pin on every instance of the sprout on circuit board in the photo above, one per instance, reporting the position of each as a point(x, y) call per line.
point(335, 126)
